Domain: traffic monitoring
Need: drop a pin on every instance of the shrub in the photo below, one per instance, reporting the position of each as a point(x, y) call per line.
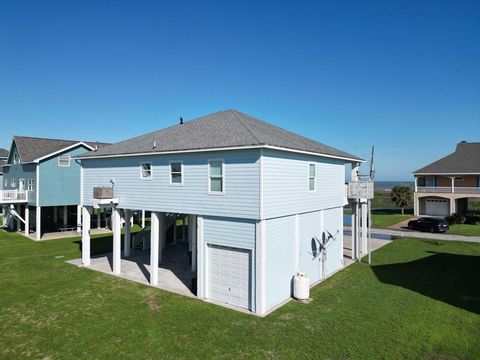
point(455, 219)
point(472, 219)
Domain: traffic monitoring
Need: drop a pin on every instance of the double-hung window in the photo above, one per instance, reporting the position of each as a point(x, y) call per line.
point(64, 160)
point(215, 177)
point(13, 183)
point(31, 185)
point(146, 171)
point(311, 177)
point(176, 173)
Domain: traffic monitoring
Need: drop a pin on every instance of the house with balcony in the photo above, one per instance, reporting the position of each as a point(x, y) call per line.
point(3, 161)
point(444, 186)
point(261, 204)
point(41, 184)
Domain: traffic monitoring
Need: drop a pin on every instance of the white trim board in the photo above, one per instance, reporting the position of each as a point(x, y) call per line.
point(223, 149)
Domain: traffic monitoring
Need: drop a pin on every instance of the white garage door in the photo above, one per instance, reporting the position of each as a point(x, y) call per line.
point(436, 207)
point(228, 276)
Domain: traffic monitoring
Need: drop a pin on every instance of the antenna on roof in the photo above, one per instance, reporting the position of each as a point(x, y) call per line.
point(154, 145)
point(181, 120)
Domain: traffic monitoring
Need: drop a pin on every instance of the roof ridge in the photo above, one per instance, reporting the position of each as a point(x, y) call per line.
point(245, 125)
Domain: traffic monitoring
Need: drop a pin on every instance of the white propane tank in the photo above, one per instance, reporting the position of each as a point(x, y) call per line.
point(301, 287)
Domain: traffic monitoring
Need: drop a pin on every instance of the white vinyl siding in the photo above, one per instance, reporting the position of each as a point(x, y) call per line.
point(64, 160)
point(146, 171)
point(176, 173)
point(215, 174)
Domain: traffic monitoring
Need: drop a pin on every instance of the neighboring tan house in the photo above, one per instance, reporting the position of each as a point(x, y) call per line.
point(262, 204)
point(41, 184)
point(444, 187)
point(3, 161)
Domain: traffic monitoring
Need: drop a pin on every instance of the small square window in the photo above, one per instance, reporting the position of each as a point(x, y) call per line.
point(146, 171)
point(31, 185)
point(64, 160)
point(176, 173)
point(15, 158)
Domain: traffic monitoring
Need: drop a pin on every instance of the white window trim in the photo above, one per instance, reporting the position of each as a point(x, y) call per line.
point(314, 177)
point(31, 184)
point(19, 181)
point(170, 173)
point(69, 159)
point(13, 183)
point(15, 158)
point(218, 193)
point(150, 178)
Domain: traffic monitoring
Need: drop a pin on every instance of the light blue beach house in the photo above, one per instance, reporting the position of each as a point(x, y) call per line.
point(262, 204)
point(41, 184)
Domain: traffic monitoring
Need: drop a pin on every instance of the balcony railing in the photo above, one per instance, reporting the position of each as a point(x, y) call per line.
point(13, 196)
point(448, 189)
point(360, 190)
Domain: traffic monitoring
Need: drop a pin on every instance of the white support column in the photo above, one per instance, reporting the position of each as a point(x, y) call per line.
point(364, 228)
point(201, 268)
point(65, 215)
point(55, 214)
point(453, 184)
point(127, 236)
point(260, 253)
point(154, 239)
point(143, 219)
point(85, 236)
point(79, 218)
point(27, 220)
point(161, 235)
point(453, 209)
point(19, 212)
point(38, 223)
point(192, 224)
point(117, 234)
point(99, 218)
point(416, 184)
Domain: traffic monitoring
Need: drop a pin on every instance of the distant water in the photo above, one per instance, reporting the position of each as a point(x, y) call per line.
point(388, 185)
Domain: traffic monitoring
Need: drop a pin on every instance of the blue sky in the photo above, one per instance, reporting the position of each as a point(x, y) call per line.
point(403, 76)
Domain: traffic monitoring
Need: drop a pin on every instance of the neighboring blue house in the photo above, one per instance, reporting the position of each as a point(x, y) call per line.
point(3, 161)
point(262, 203)
point(42, 182)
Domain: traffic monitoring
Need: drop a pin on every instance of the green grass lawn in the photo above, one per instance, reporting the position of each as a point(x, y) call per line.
point(419, 300)
point(383, 218)
point(464, 229)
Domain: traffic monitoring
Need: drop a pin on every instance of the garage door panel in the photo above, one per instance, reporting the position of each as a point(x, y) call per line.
point(436, 207)
point(229, 275)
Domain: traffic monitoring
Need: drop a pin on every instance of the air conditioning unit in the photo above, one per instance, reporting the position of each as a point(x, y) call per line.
point(102, 192)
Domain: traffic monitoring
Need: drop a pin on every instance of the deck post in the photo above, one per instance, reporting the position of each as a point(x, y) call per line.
point(127, 236)
point(85, 236)
point(143, 219)
point(38, 223)
point(162, 235)
point(154, 246)
point(79, 218)
point(19, 212)
point(363, 229)
point(116, 225)
point(65, 215)
point(27, 220)
point(99, 218)
point(192, 225)
point(55, 214)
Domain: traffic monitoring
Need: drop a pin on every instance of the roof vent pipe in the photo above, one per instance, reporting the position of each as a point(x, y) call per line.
point(181, 120)
point(154, 145)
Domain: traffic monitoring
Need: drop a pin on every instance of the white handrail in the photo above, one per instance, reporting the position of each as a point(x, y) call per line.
point(13, 196)
point(448, 189)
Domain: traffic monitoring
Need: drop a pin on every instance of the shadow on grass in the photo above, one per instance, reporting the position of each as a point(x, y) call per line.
point(99, 245)
point(451, 278)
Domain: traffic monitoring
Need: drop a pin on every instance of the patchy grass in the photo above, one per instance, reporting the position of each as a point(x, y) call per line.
point(419, 300)
point(464, 229)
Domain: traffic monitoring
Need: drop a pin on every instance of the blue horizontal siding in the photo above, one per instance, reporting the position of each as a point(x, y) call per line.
point(241, 198)
point(238, 233)
point(285, 184)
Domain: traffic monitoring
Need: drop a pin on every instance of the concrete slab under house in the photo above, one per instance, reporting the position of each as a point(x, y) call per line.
point(238, 208)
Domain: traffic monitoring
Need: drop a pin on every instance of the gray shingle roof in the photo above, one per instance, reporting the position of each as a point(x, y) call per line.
point(31, 148)
point(465, 160)
point(3, 153)
point(222, 129)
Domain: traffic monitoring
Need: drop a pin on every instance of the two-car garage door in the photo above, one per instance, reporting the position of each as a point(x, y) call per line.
point(436, 207)
point(228, 275)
